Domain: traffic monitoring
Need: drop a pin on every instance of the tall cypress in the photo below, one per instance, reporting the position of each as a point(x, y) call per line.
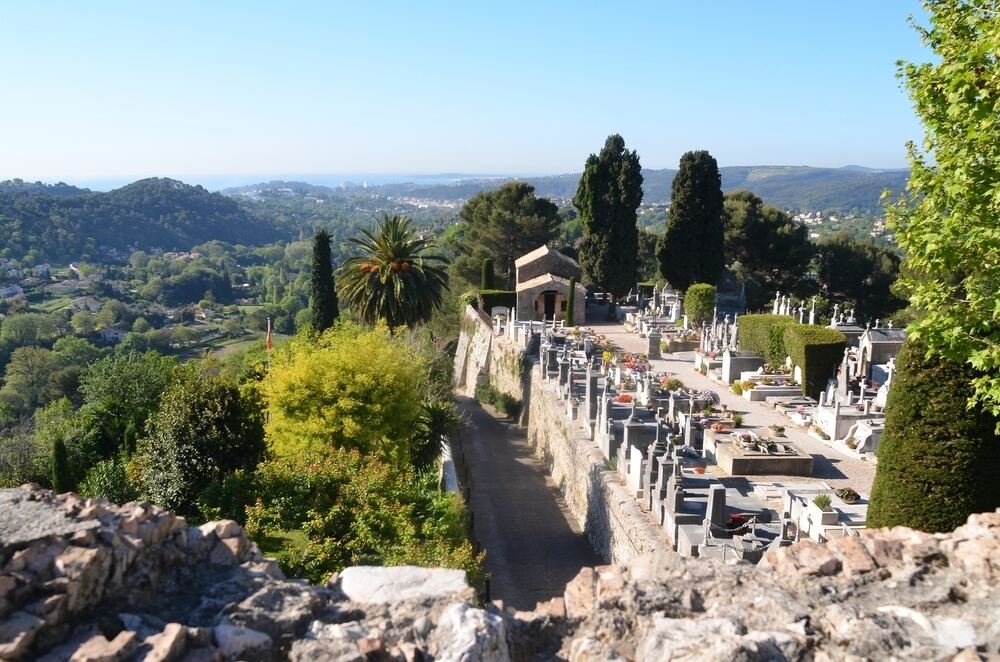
point(325, 309)
point(571, 303)
point(487, 280)
point(692, 248)
point(62, 480)
point(607, 199)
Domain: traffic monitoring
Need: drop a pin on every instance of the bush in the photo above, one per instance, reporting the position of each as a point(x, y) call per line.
point(737, 388)
point(489, 299)
point(699, 303)
point(817, 351)
point(487, 279)
point(737, 420)
point(673, 384)
point(938, 460)
point(764, 334)
point(822, 501)
point(108, 480)
point(505, 404)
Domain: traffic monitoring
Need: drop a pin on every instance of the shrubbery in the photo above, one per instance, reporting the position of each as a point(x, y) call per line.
point(938, 460)
point(817, 351)
point(699, 303)
point(505, 404)
point(764, 334)
point(489, 299)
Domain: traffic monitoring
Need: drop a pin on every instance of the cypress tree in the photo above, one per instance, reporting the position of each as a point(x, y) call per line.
point(61, 474)
point(938, 460)
point(487, 280)
point(692, 248)
point(607, 198)
point(325, 309)
point(570, 302)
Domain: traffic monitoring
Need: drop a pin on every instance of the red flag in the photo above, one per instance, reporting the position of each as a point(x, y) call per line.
point(267, 343)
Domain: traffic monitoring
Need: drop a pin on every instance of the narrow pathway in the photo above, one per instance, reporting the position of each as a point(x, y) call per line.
point(533, 547)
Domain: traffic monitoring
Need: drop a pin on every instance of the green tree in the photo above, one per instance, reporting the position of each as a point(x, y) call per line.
point(937, 461)
point(28, 379)
point(503, 225)
point(699, 303)
point(395, 279)
point(488, 279)
point(764, 248)
point(204, 429)
point(607, 198)
point(947, 223)
point(325, 309)
point(349, 388)
point(692, 248)
point(61, 475)
point(859, 272)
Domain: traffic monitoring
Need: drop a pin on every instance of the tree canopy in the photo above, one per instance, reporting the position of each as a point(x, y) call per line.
point(503, 225)
point(764, 248)
point(947, 222)
point(859, 272)
point(691, 249)
point(607, 198)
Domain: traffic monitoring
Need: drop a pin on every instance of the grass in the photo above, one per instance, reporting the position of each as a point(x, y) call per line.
point(281, 541)
point(52, 305)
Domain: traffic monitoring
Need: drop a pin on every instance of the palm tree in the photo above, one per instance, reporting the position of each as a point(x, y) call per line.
point(393, 280)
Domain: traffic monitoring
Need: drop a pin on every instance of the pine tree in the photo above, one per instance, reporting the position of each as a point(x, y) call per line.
point(570, 302)
point(325, 309)
point(607, 199)
point(488, 279)
point(692, 248)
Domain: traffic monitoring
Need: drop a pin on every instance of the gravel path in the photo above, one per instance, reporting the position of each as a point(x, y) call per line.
point(533, 547)
point(830, 465)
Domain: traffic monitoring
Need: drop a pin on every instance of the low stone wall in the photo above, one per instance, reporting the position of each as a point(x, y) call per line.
point(88, 581)
point(617, 528)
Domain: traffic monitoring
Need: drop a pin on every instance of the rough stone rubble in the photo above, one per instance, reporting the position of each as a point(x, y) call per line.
point(86, 580)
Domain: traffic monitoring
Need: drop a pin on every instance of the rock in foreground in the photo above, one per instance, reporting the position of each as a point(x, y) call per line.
point(86, 580)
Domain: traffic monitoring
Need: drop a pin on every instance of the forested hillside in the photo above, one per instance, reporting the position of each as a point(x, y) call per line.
point(40, 224)
point(848, 189)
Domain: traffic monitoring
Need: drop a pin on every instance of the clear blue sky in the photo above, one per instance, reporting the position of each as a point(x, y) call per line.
point(187, 89)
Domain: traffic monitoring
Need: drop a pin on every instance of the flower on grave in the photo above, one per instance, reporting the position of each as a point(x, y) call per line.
point(717, 427)
point(800, 410)
point(848, 495)
point(699, 470)
point(624, 398)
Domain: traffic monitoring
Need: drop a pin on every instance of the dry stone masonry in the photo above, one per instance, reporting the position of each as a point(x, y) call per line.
point(86, 580)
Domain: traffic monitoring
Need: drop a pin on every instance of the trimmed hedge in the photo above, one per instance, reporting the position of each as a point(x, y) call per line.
point(765, 335)
point(487, 279)
point(938, 460)
point(817, 351)
point(490, 298)
point(699, 302)
point(646, 288)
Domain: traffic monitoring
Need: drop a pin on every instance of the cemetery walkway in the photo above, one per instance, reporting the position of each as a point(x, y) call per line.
point(829, 465)
point(533, 548)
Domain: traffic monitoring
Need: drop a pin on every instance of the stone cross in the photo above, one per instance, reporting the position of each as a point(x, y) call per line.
point(777, 302)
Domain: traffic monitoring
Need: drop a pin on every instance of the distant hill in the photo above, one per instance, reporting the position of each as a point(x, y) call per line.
point(847, 189)
point(150, 213)
point(61, 189)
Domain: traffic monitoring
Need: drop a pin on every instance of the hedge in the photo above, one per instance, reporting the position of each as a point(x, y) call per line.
point(817, 351)
point(487, 279)
point(765, 335)
point(488, 299)
point(646, 288)
point(938, 460)
point(699, 302)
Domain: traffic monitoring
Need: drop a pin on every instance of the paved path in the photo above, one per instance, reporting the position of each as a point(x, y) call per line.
point(829, 465)
point(533, 548)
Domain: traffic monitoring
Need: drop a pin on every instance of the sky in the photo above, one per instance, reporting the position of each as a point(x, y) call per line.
point(201, 90)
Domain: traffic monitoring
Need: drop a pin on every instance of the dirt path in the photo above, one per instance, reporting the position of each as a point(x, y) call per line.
point(533, 548)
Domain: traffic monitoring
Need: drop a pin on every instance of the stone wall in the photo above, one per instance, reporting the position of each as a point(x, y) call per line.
point(509, 368)
point(472, 355)
point(88, 581)
point(616, 526)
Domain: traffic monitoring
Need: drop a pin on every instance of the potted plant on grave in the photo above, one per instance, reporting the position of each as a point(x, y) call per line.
point(777, 430)
point(767, 380)
point(848, 495)
point(821, 511)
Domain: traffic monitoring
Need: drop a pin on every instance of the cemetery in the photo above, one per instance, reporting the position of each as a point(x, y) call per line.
point(683, 458)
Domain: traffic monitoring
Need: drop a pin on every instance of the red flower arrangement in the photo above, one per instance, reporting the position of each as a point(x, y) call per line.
point(699, 470)
point(624, 398)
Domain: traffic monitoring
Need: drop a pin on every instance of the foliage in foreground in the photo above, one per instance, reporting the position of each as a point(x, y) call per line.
point(948, 226)
point(938, 460)
point(356, 510)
